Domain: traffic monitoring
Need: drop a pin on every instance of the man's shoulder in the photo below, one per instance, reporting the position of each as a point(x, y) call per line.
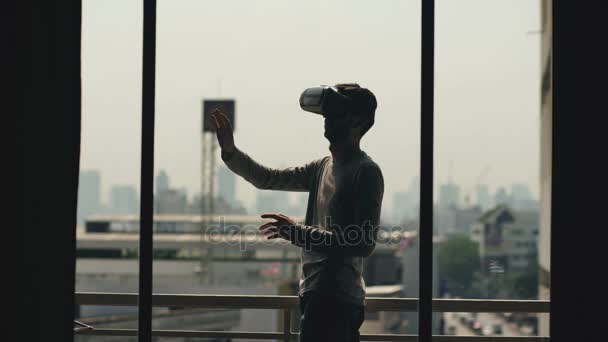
point(367, 164)
point(369, 172)
point(318, 161)
point(321, 161)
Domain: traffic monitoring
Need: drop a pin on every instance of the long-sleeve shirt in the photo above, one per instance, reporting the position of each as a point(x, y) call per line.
point(342, 217)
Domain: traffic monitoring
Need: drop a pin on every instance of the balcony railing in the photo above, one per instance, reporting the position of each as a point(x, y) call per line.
point(289, 303)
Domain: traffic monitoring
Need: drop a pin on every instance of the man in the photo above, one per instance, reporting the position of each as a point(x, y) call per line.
point(340, 229)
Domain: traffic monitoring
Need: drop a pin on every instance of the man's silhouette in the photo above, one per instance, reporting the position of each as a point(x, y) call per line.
point(340, 228)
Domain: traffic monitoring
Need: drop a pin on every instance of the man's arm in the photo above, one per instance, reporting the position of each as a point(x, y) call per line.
point(262, 177)
point(290, 179)
point(356, 240)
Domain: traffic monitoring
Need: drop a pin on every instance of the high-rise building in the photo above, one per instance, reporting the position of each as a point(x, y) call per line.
point(502, 198)
point(529, 204)
point(405, 204)
point(453, 220)
point(124, 200)
point(272, 201)
point(266, 201)
point(162, 182)
point(220, 207)
point(449, 195)
point(227, 185)
point(465, 218)
point(520, 192)
point(506, 238)
point(444, 220)
point(521, 198)
point(171, 201)
point(89, 198)
point(415, 186)
point(484, 200)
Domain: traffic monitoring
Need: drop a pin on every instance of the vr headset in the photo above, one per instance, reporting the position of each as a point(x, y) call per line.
point(326, 101)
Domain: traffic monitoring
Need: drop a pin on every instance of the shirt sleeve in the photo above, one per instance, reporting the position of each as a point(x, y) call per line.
point(298, 178)
point(358, 239)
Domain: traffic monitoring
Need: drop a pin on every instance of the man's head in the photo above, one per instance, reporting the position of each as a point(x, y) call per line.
point(356, 121)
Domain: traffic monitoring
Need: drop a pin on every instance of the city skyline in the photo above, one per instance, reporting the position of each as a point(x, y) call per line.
point(293, 202)
point(487, 81)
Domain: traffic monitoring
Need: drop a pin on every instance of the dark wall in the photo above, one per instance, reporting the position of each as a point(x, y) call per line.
point(580, 150)
point(42, 73)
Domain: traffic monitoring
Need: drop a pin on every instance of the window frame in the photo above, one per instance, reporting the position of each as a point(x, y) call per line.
point(425, 309)
point(425, 300)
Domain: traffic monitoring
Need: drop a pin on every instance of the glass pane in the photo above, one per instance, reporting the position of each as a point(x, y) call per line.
point(487, 217)
point(262, 55)
point(110, 158)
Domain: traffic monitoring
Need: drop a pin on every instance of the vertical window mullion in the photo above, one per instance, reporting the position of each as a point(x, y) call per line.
point(144, 301)
point(425, 309)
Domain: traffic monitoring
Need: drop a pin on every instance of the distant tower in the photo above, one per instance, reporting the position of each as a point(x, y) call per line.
point(520, 192)
point(449, 195)
point(484, 200)
point(415, 187)
point(501, 197)
point(227, 185)
point(124, 200)
point(404, 206)
point(521, 198)
point(89, 202)
point(171, 201)
point(162, 182)
point(267, 202)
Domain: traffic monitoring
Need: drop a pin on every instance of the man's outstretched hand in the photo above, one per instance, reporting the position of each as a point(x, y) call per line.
point(283, 227)
point(223, 130)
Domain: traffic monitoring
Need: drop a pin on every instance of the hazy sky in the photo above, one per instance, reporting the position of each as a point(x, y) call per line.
point(264, 53)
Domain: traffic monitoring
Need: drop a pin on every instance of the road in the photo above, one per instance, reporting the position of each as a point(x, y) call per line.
point(509, 329)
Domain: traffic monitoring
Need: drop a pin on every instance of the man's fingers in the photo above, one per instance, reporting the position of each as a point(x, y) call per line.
point(223, 116)
point(217, 117)
point(215, 121)
point(286, 218)
point(269, 230)
point(272, 216)
point(270, 233)
point(268, 224)
point(216, 111)
point(225, 120)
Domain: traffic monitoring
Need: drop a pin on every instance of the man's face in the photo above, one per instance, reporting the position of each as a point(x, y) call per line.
point(338, 128)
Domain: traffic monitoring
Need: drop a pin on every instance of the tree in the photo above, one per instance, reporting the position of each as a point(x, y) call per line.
point(458, 261)
point(525, 283)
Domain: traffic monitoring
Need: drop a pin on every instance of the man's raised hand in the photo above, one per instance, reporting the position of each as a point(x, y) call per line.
point(223, 130)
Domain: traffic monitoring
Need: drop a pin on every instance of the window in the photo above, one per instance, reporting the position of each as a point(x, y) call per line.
point(487, 129)
point(228, 50)
point(110, 155)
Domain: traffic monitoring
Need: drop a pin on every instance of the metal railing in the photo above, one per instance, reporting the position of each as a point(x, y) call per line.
point(289, 303)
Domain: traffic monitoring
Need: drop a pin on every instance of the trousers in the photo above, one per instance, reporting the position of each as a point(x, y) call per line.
point(326, 318)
